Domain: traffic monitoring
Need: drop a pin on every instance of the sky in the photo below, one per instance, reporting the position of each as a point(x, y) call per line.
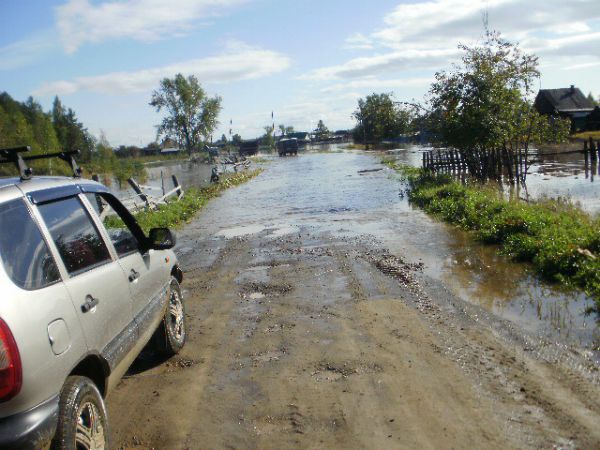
point(303, 60)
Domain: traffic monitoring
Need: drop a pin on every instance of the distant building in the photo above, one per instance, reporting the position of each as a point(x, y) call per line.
point(170, 150)
point(168, 143)
point(565, 102)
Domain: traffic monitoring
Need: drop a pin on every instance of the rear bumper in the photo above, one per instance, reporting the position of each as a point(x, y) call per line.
point(31, 429)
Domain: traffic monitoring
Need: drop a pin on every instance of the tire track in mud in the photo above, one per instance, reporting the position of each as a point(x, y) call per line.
point(171, 393)
point(309, 340)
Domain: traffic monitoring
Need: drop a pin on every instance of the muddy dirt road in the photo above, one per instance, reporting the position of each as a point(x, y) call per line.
point(306, 331)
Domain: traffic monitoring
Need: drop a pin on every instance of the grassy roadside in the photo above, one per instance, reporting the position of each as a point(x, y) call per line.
point(175, 214)
point(560, 240)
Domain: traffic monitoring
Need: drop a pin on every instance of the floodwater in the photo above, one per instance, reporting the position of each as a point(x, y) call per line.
point(189, 174)
point(326, 191)
point(562, 176)
point(331, 192)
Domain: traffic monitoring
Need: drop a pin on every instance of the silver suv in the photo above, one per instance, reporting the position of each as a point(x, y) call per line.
point(83, 291)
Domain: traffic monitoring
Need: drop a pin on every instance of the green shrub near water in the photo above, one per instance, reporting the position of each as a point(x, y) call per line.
point(560, 240)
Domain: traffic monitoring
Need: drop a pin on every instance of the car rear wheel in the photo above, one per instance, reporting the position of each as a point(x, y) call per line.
point(170, 335)
point(82, 417)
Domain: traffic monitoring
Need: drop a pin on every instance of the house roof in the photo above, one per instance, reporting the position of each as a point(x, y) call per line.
point(567, 99)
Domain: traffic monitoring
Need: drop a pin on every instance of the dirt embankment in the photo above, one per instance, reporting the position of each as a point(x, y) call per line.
point(315, 341)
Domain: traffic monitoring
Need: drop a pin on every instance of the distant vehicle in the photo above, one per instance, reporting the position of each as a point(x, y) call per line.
point(249, 147)
point(83, 291)
point(287, 146)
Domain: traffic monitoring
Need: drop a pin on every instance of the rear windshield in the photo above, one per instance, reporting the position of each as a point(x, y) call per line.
point(25, 255)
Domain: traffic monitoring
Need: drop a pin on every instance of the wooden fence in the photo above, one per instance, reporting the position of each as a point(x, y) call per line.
point(451, 161)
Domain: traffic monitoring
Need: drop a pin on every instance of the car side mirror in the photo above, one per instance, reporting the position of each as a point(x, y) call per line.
point(161, 239)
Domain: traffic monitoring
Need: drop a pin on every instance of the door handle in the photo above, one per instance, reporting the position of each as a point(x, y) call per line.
point(90, 303)
point(133, 275)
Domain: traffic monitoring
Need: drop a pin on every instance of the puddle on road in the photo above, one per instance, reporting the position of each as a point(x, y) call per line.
point(234, 232)
point(323, 193)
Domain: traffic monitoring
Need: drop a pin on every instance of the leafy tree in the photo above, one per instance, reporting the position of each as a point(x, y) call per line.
point(267, 139)
point(379, 117)
point(593, 100)
point(27, 124)
point(71, 133)
point(285, 130)
point(321, 132)
point(41, 124)
point(236, 139)
point(191, 116)
point(483, 108)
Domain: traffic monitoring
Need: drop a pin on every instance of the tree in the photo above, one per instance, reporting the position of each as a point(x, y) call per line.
point(267, 139)
point(285, 130)
point(483, 108)
point(236, 139)
point(379, 117)
point(71, 133)
point(191, 116)
point(321, 132)
point(593, 100)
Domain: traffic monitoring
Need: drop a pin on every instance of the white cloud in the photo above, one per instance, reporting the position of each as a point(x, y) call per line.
point(372, 83)
point(81, 21)
point(239, 62)
point(424, 35)
point(358, 41)
point(455, 20)
point(408, 59)
point(27, 51)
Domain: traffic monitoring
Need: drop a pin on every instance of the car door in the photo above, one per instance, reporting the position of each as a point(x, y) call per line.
point(98, 287)
point(147, 270)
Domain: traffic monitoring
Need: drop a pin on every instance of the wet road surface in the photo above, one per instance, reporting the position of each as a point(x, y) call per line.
point(319, 318)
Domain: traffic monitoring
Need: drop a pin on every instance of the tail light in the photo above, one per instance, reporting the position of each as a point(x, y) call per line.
point(11, 371)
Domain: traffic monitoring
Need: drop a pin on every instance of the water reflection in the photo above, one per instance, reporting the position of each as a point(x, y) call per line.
point(479, 274)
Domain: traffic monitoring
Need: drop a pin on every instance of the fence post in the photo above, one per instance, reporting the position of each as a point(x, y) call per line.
point(138, 190)
point(177, 186)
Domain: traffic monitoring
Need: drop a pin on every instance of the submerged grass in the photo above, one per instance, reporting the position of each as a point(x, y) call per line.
point(560, 240)
point(175, 214)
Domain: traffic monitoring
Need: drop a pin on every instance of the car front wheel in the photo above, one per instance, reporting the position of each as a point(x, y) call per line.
point(171, 333)
point(82, 417)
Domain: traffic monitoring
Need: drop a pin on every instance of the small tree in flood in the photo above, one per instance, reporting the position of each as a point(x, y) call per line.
point(483, 108)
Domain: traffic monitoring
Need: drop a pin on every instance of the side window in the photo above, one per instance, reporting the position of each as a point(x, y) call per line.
point(26, 257)
point(121, 236)
point(77, 239)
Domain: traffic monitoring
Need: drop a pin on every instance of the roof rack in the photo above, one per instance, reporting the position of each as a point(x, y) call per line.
point(13, 156)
